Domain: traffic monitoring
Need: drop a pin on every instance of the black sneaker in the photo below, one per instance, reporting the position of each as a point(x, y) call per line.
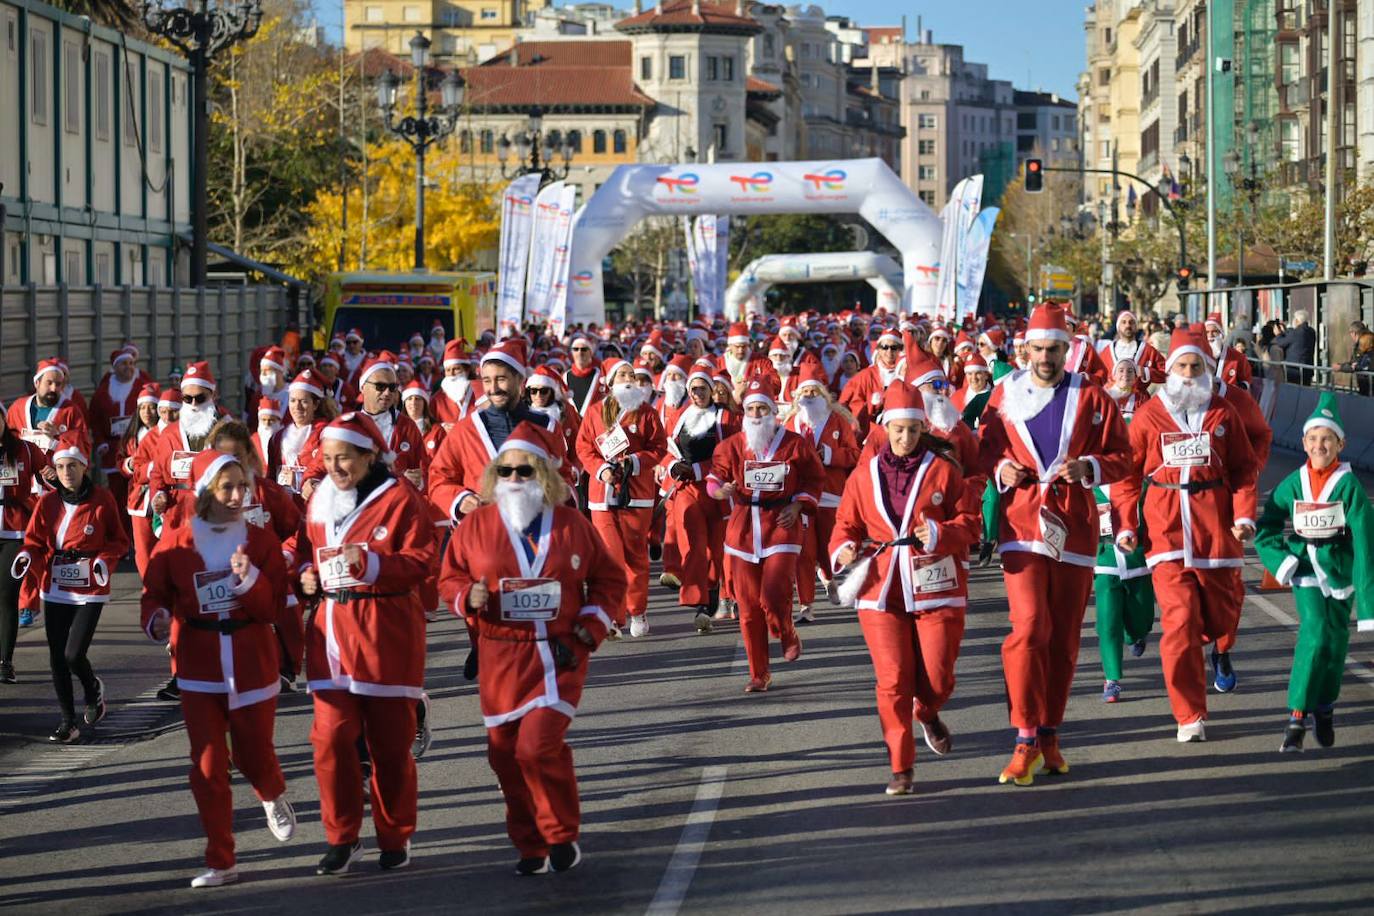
point(1292, 737)
point(985, 552)
point(392, 859)
point(423, 736)
point(1138, 647)
point(288, 684)
point(66, 733)
point(339, 858)
point(532, 865)
point(7, 675)
point(565, 856)
point(1224, 676)
point(170, 692)
point(470, 665)
point(95, 706)
point(655, 551)
point(1325, 729)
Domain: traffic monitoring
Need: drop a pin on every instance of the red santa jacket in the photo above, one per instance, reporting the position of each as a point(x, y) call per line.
point(269, 505)
point(1092, 431)
point(927, 578)
point(71, 549)
point(170, 468)
point(292, 467)
point(1202, 482)
point(596, 389)
point(863, 395)
point(110, 418)
point(460, 460)
point(571, 575)
point(373, 643)
point(449, 413)
point(239, 660)
point(137, 467)
point(837, 447)
point(752, 532)
point(1235, 368)
point(644, 445)
point(67, 417)
point(1083, 358)
point(20, 488)
point(1149, 363)
point(720, 424)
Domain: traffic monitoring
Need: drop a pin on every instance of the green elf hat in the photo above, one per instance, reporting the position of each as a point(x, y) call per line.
point(1327, 414)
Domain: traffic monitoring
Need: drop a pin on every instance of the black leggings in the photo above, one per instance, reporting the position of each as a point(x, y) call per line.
point(9, 599)
point(70, 629)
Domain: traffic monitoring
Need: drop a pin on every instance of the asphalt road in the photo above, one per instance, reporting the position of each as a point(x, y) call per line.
point(700, 799)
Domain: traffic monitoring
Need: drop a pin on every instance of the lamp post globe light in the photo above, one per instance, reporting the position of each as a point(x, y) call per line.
point(534, 152)
point(201, 32)
point(422, 129)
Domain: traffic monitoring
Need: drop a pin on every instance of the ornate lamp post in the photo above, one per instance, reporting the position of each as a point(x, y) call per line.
point(200, 33)
point(420, 130)
point(530, 145)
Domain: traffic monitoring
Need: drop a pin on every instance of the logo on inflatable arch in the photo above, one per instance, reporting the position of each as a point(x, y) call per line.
point(680, 188)
point(825, 185)
point(583, 279)
point(755, 184)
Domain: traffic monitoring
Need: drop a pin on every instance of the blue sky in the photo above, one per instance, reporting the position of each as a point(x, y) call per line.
point(1037, 44)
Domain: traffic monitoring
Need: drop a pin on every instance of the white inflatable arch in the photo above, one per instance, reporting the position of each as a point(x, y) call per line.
point(863, 186)
point(882, 273)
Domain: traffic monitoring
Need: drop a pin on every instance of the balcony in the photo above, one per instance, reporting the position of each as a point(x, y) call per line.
point(1181, 132)
point(1296, 94)
point(1186, 53)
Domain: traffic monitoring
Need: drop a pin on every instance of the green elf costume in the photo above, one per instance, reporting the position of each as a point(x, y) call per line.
point(1317, 534)
point(971, 405)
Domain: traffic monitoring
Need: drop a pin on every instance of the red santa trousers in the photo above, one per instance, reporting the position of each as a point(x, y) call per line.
point(764, 593)
point(290, 639)
point(700, 531)
point(144, 542)
point(1047, 600)
point(913, 661)
point(1194, 605)
point(626, 535)
point(249, 732)
point(1227, 641)
point(535, 768)
point(119, 489)
point(388, 725)
point(814, 553)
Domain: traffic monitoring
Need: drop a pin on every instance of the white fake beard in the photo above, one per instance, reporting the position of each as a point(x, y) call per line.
point(630, 396)
point(759, 433)
point(196, 419)
point(1217, 346)
point(698, 421)
point(831, 365)
point(1023, 399)
point(553, 411)
point(266, 431)
point(783, 368)
point(1187, 394)
point(813, 410)
point(519, 501)
point(674, 391)
point(456, 388)
point(940, 410)
point(330, 504)
point(268, 383)
point(737, 367)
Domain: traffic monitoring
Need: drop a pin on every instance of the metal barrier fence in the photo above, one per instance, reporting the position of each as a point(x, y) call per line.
point(171, 326)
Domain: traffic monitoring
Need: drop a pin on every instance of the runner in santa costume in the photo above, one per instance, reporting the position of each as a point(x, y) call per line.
point(1189, 445)
point(44, 416)
point(1317, 534)
point(295, 449)
point(113, 406)
point(770, 475)
point(1083, 356)
point(583, 378)
point(132, 464)
point(1048, 437)
point(971, 401)
point(457, 392)
point(418, 405)
point(20, 463)
point(905, 517)
point(863, 394)
point(214, 586)
point(540, 591)
point(177, 445)
point(546, 395)
point(831, 430)
point(1232, 366)
point(619, 445)
point(1130, 344)
point(362, 550)
point(269, 421)
point(381, 399)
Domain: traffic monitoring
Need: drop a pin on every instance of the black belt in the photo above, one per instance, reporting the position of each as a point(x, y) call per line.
point(228, 625)
point(345, 595)
point(71, 556)
point(1341, 535)
point(774, 503)
point(1192, 486)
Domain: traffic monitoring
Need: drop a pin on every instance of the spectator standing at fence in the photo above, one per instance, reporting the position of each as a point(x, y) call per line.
point(1299, 345)
point(1361, 363)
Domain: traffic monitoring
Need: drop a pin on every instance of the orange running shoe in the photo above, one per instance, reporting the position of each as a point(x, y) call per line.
point(1054, 762)
point(1025, 760)
point(759, 684)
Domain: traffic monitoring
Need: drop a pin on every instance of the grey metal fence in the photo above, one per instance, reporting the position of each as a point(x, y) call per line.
point(171, 326)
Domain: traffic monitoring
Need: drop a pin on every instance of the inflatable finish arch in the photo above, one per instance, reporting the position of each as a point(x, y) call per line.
point(864, 186)
point(754, 281)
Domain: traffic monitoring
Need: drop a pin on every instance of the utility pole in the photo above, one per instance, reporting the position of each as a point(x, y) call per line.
point(1211, 140)
point(1329, 216)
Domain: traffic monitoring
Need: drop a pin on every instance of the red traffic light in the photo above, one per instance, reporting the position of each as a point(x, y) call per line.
point(1035, 176)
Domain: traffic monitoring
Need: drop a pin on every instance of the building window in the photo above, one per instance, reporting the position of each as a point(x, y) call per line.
point(646, 68)
point(1290, 66)
point(1104, 76)
point(575, 140)
point(1106, 149)
point(464, 141)
point(374, 14)
point(712, 68)
point(553, 140)
point(618, 141)
point(487, 141)
point(102, 95)
point(38, 77)
point(11, 32)
point(102, 269)
point(1290, 140)
point(154, 111)
point(926, 173)
point(71, 268)
point(927, 122)
point(769, 45)
point(925, 95)
point(925, 148)
point(720, 138)
point(677, 67)
point(727, 69)
point(410, 13)
point(71, 87)
point(928, 198)
point(598, 141)
point(488, 14)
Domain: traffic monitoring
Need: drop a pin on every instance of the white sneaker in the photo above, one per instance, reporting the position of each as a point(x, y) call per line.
point(668, 580)
point(639, 626)
point(216, 877)
point(281, 818)
point(1192, 732)
point(804, 615)
point(435, 615)
point(726, 611)
point(832, 591)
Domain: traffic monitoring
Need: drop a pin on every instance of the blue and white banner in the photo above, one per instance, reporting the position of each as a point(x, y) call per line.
point(539, 275)
point(517, 224)
point(973, 263)
point(957, 217)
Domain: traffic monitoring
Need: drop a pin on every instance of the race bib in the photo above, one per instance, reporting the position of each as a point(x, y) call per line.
point(613, 443)
point(119, 426)
point(255, 516)
point(1053, 531)
point(1186, 450)
point(335, 571)
point(40, 439)
point(215, 592)
point(1104, 520)
point(181, 465)
point(72, 575)
point(290, 476)
point(530, 599)
point(933, 574)
point(9, 475)
point(1318, 520)
point(765, 476)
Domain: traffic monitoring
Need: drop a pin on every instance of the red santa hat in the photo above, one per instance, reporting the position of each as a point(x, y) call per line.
point(762, 389)
point(811, 372)
point(903, 401)
point(353, 334)
point(681, 363)
point(738, 334)
point(359, 430)
point(963, 341)
point(610, 366)
point(70, 445)
point(148, 394)
point(329, 359)
point(170, 397)
point(456, 353)
point(415, 389)
point(510, 352)
point(1182, 342)
point(205, 467)
point(939, 331)
point(305, 361)
point(699, 331)
point(890, 336)
point(976, 363)
point(642, 368)
point(1213, 321)
point(544, 377)
point(375, 365)
point(1123, 314)
point(1047, 322)
point(118, 356)
point(993, 337)
point(778, 347)
point(416, 339)
point(46, 366)
point(307, 382)
point(199, 374)
point(655, 344)
point(273, 358)
point(922, 369)
point(527, 437)
point(269, 406)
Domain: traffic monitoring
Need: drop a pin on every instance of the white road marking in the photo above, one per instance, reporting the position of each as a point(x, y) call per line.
point(1283, 617)
point(672, 889)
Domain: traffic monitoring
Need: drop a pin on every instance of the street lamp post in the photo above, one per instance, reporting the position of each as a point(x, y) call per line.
point(200, 33)
point(421, 130)
point(535, 152)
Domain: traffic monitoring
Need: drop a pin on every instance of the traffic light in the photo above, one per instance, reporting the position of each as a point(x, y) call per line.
point(1185, 275)
point(1035, 176)
point(1030, 297)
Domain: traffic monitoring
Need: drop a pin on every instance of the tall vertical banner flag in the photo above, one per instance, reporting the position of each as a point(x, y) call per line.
point(539, 275)
point(558, 302)
point(973, 262)
point(722, 271)
point(517, 224)
point(691, 247)
point(957, 217)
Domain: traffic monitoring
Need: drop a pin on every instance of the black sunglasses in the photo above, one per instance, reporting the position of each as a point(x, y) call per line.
point(890, 347)
point(194, 398)
point(582, 349)
point(385, 386)
point(526, 471)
